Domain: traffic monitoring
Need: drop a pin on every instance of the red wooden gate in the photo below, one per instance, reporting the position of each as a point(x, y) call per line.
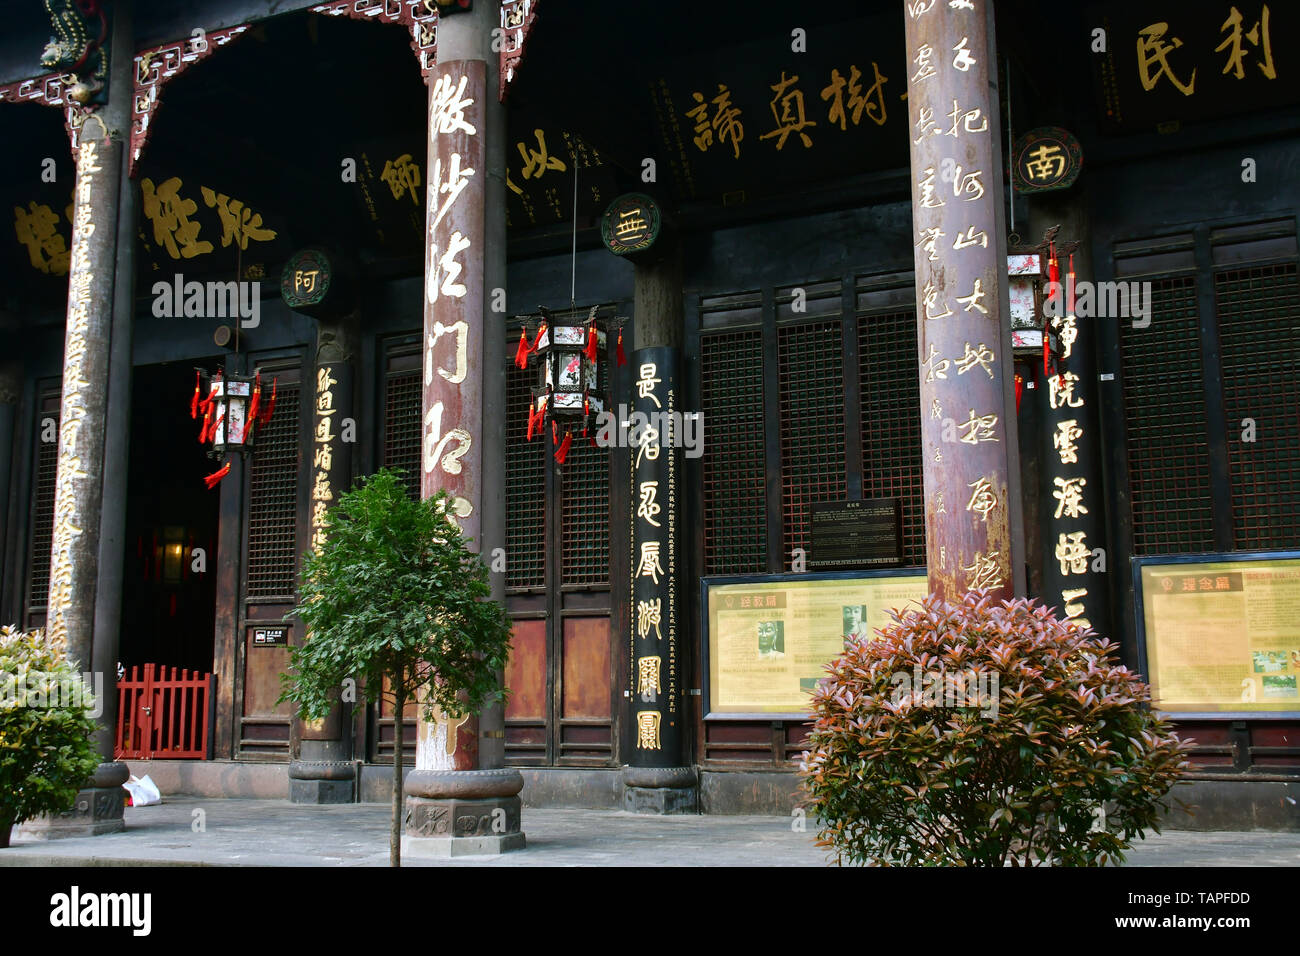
point(161, 715)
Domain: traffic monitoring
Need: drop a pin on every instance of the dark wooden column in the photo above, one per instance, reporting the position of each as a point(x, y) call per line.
point(655, 780)
point(458, 784)
point(972, 484)
point(94, 416)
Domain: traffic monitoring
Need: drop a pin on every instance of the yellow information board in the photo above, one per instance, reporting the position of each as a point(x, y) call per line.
point(769, 639)
point(1222, 636)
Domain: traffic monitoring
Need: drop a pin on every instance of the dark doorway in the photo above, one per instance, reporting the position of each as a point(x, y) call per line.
point(170, 586)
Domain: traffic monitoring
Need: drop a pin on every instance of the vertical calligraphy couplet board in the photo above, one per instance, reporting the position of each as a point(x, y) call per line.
point(454, 299)
point(657, 669)
point(962, 328)
point(74, 558)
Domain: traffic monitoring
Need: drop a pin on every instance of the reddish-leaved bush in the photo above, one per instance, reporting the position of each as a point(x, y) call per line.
point(985, 733)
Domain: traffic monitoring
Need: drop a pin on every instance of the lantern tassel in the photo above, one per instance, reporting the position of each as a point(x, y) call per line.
point(1020, 387)
point(251, 419)
point(541, 330)
point(592, 345)
point(555, 432)
point(534, 420)
point(207, 422)
point(563, 451)
point(212, 479)
point(270, 406)
point(1069, 288)
point(521, 353)
point(194, 400)
point(622, 359)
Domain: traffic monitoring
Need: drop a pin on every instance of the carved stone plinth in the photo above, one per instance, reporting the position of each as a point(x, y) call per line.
point(96, 810)
point(462, 813)
point(322, 781)
point(660, 790)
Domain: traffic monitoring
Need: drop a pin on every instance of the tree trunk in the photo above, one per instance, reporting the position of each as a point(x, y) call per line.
point(5, 826)
point(395, 833)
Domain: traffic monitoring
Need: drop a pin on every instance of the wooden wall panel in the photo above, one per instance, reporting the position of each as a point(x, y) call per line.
point(525, 676)
point(586, 667)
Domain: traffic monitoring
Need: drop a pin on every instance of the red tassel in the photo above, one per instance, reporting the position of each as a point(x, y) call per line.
point(1047, 353)
point(1020, 387)
point(622, 359)
point(207, 422)
point(592, 439)
point(270, 406)
point(541, 330)
point(194, 400)
point(555, 432)
point(251, 418)
point(563, 451)
point(1069, 288)
point(534, 420)
point(521, 353)
point(212, 479)
point(212, 435)
point(592, 345)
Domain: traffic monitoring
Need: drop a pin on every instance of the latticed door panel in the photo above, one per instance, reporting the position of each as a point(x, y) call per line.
point(525, 485)
point(731, 392)
point(402, 394)
point(584, 528)
point(273, 502)
point(1258, 312)
point(891, 423)
point(1165, 415)
point(810, 365)
point(43, 485)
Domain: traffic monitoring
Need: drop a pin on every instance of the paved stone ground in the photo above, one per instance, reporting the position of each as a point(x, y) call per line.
point(278, 833)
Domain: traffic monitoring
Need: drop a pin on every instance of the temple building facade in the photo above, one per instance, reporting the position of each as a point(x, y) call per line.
point(729, 327)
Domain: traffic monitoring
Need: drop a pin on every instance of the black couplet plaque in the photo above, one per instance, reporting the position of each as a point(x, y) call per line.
point(855, 534)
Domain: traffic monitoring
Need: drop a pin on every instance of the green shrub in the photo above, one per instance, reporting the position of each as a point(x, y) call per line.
point(1063, 763)
point(46, 752)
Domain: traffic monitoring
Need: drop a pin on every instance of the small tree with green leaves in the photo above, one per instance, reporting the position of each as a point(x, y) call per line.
point(395, 600)
point(46, 748)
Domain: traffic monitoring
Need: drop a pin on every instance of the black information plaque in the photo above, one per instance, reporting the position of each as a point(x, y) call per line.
point(855, 534)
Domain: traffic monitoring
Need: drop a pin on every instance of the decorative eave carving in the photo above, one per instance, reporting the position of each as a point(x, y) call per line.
point(154, 67)
point(517, 18)
point(420, 17)
point(51, 90)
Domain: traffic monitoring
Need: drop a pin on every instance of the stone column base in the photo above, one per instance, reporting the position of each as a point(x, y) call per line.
point(462, 813)
point(97, 809)
point(660, 790)
point(322, 781)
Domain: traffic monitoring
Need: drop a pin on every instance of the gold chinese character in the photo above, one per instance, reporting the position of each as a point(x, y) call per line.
point(981, 428)
point(936, 410)
point(726, 121)
point(1152, 49)
point(321, 490)
point(1046, 162)
point(964, 59)
point(983, 499)
point(648, 615)
point(35, 229)
point(972, 301)
point(402, 175)
point(1060, 389)
point(930, 198)
point(929, 294)
point(647, 729)
point(857, 101)
point(648, 508)
point(972, 357)
point(646, 383)
point(324, 458)
point(935, 369)
point(1066, 433)
point(1073, 553)
point(538, 161)
point(967, 183)
point(169, 212)
point(647, 678)
point(455, 183)
point(967, 120)
point(790, 116)
point(1069, 497)
point(649, 445)
point(239, 224)
point(630, 223)
point(447, 105)
point(925, 67)
point(649, 567)
point(970, 238)
point(1238, 52)
point(1073, 610)
point(984, 571)
point(1069, 334)
point(929, 242)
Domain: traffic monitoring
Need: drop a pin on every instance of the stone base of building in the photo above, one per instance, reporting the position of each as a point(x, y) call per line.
point(660, 791)
point(322, 781)
point(96, 810)
point(462, 813)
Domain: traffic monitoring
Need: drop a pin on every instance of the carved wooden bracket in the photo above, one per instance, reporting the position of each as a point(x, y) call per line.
point(420, 17)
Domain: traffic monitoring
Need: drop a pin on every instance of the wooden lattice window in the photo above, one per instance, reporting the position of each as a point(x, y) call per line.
point(584, 536)
point(525, 484)
point(810, 364)
point(402, 397)
point(1259, 335)
point(731, 393)
point(43, 482)
point(891, 424)
point(273, 501)
point(1165, 415)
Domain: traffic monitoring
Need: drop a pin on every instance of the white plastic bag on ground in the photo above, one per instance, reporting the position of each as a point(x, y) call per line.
point(143, 791)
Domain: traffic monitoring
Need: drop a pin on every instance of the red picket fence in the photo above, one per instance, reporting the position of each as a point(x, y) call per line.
point(162, 715)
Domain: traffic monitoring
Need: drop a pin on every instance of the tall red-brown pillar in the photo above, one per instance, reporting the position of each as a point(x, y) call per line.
point(972, 487)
